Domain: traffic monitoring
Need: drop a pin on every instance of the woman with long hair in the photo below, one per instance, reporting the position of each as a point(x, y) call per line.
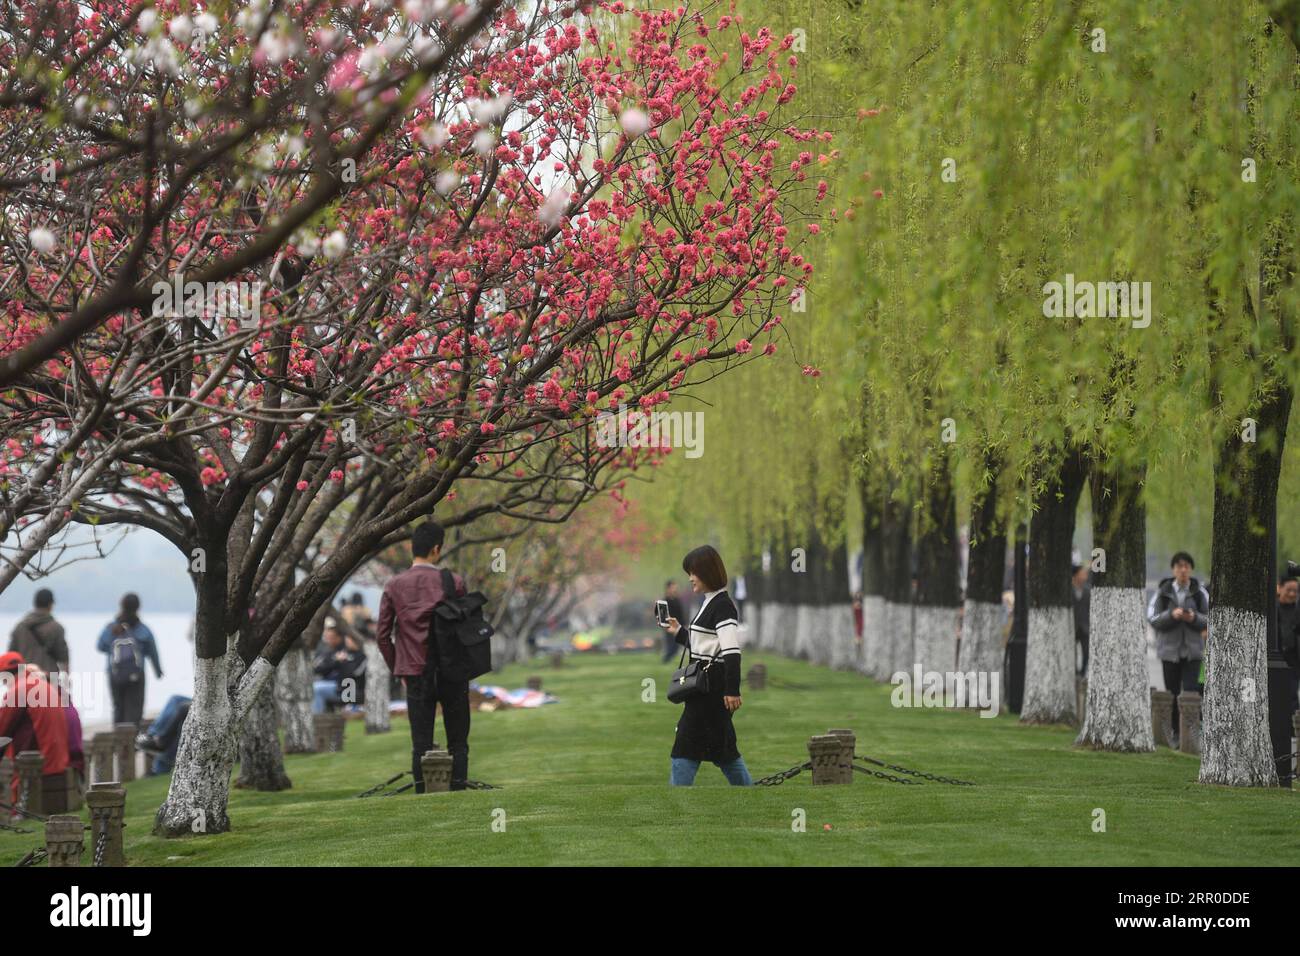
point(705, 731)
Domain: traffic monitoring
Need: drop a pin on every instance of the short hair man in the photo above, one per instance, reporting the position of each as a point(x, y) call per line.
point(405, 613)
point(39, 638)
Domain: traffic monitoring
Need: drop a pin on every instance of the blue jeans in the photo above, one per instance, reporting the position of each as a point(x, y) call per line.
point(324, 692)
point(684, 770)
point(166, 728)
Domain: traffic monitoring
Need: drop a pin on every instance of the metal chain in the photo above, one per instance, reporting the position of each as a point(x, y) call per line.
point(101, 843)
point(380, 786)
point(777, 779)
point(33, 857)
point(19, 810)
point(914, 773)
point(888, 776)
point(13, 829)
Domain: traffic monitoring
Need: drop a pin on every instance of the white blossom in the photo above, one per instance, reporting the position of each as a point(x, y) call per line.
point(433, 137)
point(635, 122)
point(42, 239)
point(147, 20)
point(181, 29)
point(552, 210)
point(335, 244)
point(446, 182)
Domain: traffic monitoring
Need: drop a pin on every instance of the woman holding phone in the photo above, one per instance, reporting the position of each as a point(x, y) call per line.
point(705, 731)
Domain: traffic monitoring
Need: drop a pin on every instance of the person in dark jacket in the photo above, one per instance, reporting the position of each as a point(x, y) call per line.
point(39, 638)
point(430, 679)
point(339, 660)
point(1180, 613)
point(1288, 623)
point(675, 610)
point(128, 644)
point(705, 730)
point(1081, 592)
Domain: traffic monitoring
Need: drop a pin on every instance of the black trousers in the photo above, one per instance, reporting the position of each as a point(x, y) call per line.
point(423, 695)
point(1180, 676)
point(128, 702)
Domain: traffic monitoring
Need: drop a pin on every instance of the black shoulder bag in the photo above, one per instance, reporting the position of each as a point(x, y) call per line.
point(458, 633)
point(691, 680)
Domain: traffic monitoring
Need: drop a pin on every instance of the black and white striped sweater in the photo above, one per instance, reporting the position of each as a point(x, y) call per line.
point(715, 634)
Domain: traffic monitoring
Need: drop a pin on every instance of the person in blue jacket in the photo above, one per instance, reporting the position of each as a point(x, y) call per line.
point(128, 644)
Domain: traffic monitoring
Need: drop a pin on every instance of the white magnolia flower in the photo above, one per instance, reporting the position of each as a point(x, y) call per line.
point(181, 29)
point(484, 142)
point(335, 244)
point(42, 239)
point(433, 137)
point(446, 182)
point(552, 210)
point(635, 122)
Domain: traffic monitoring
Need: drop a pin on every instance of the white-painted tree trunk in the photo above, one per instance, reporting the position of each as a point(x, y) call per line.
point(199, 795)
point(846, 644)
point(261, 762)
point(751, 629)
point(378, 690)
point(293, 693)
point(935, 647)
point(1118, 715)
point(898, 629)
point(873, 632)
point(1235, 746)
point(981, 650)
point(805, 634)
point(1050, 693)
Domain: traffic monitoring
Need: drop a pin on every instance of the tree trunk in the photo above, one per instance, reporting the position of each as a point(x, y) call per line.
point(1118, 710)
point(261, 762)
point(896, 528)
point(378, 690)
point(1050, 693)
point(1236, 750)
point(873, 588)
point(293, 692)
point(938, 588)
point(983, 615)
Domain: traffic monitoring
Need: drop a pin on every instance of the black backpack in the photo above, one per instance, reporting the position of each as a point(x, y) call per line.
point(125, 660)
point(458, 641)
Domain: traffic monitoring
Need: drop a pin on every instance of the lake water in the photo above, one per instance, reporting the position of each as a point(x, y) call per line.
point(89, 677)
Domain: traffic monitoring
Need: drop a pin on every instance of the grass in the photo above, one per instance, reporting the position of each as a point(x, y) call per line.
point(586, 783)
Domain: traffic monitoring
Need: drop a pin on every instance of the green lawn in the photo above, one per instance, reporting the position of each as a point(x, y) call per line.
point(586, 783)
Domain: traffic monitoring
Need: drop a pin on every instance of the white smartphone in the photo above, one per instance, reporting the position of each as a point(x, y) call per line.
point(661, 613)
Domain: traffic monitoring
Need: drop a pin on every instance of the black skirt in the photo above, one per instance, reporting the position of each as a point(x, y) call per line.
point(705, 731)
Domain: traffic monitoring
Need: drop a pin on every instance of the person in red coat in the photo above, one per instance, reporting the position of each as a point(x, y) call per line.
point(32, 713)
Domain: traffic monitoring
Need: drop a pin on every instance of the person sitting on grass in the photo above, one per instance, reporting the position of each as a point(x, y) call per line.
point(705, 731)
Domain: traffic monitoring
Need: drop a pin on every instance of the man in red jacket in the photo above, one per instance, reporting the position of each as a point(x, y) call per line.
point(405, 611)
point(32, 713)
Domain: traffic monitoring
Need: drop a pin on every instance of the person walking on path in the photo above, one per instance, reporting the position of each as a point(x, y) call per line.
point(705, 730)
point(128, 644)
point(39, 638)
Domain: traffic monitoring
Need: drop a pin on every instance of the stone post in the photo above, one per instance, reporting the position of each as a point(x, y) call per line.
point(65, 839)
point(125, 734)
point(756, 677)
point(31, 789)
point(848, 747)
point(825, 753)
point(435, 765)
point(107, 803)
point(103, 750)
point(328, 729)
point(6, 778)
point(534, 683)
point(1189, 722)
point(557, 659)
point(1162, 719)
